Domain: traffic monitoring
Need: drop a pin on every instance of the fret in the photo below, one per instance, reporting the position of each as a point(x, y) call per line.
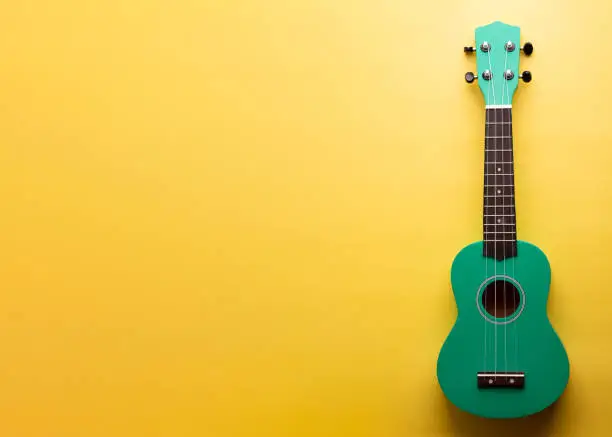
point(494, 228)
point(498, 130)
point(499, 219)
point(503, 146)
point(499, 174)
point(500, 237)
point(498, 191)
point(505, 240)
point(498, 122)
point(510, 226)
point(487, 137)
point(497, 115)
point(493, 148)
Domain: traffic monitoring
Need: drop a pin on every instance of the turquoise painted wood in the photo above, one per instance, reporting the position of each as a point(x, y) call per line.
point(497, 90)
point(528, 343)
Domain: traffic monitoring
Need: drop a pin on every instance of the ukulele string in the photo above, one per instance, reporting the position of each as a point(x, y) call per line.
point(504, 235)
point(512, 206)
point(484, 212)
point(514, 303)
point(495, 239)
point(514, 233)
point(487, 175)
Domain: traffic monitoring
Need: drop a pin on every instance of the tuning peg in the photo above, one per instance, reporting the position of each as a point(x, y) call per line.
point(470, 77)
point(526, 76)
point(469, 49)
point(527, 48)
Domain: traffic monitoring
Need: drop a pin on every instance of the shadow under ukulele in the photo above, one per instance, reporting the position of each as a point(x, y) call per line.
point(463, 424)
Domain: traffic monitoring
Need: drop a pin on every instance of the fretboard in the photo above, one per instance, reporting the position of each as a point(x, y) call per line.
point(499, 213)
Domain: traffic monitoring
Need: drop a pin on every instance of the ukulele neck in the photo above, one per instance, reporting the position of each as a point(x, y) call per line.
point(499, 213)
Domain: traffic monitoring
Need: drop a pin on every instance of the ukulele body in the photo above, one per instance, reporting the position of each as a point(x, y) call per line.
point(502, 362)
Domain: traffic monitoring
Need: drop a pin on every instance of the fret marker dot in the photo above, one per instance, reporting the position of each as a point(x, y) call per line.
point(498, 220)
point(498, 168)
point(498, 191)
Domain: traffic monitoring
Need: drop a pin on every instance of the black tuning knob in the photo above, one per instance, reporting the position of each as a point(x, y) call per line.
point(526, 76)
point(470, 77)
point(527, 48)
point(469, 49)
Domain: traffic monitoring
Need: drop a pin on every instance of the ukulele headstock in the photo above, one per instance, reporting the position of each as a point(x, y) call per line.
point(497, 62)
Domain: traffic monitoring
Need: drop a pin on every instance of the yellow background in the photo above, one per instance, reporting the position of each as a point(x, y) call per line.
point(237, 218)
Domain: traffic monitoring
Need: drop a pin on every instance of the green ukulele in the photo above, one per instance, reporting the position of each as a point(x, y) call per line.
point(502, 358)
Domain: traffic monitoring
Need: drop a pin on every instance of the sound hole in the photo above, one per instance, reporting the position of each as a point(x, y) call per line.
point(500, 299)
